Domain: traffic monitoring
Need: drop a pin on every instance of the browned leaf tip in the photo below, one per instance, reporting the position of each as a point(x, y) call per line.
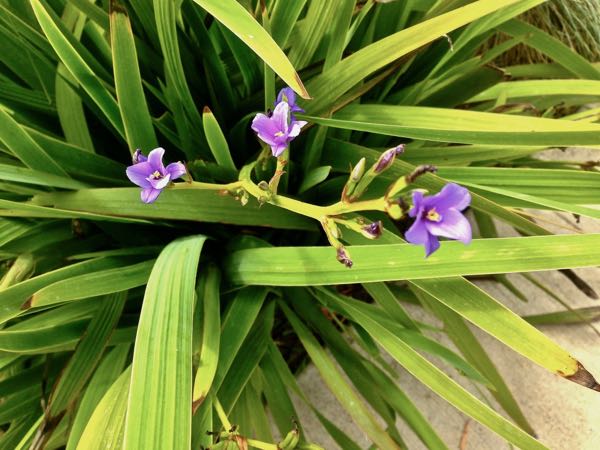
point(584, 378)
point(27, 304)
point(241, 442)
point(304, 94)
point(116, 8)
point(196, 404)
point(206, 110)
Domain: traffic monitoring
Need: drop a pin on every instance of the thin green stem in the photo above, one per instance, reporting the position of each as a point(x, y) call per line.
point(297, 206)
point(221, 413)
point(263, 445)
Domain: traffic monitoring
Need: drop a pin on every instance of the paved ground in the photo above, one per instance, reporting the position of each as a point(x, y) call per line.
point(565, 416)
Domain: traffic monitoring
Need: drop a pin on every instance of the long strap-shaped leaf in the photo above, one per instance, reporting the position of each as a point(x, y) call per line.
point(159, 411)
point(132, 103)
point(233, 15)
point(87, 355)
point(303, 266)
point(331, 84)
point(77, 66)
point(25, 148)
point(460, 126)
point(105, 427)
point(439, 382)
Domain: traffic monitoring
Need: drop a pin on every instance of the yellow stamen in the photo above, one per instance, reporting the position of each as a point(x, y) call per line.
point(433, 215)
point(156, 175)
point(279, 133)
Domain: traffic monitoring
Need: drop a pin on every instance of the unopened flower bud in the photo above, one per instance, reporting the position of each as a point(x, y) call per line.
point(138, 157)
point(344, 257)
point(387, 158)
point(358, 170)
point(373, 230)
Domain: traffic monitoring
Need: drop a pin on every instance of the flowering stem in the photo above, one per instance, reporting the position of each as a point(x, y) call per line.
point(282, 162)
point(262, 445)
point(297, 206)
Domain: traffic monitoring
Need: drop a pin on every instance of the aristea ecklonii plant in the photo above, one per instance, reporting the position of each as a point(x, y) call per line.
point(292, 159)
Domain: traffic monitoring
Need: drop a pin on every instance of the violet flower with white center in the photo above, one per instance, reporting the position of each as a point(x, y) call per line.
point(151, 175)
point(277, 130)
point(439, 215)
point(288, 95)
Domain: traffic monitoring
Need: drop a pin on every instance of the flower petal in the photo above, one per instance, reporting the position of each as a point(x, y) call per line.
point(454, 225)
point(150, 194)
point(451, 196)
point(176, 170)
point(417, 199)
point(138, 174)
point(278, 149)
point(263, 124)
point(160, 183)
point(155, 159)
point(418, 234)
point(288, 95)
point(281, 117)
point(266, 128)
point(295, 129)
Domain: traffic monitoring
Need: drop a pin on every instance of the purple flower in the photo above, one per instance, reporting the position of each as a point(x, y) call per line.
point(151, 175)
point(439, 215)
point(277, 130)
point(288, 95)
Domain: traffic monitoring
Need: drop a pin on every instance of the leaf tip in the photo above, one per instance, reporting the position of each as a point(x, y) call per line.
point(301, 89)
point(28, 303)
point(196, 403)
point(206, 110)
point(583, 377)
point(116, 8)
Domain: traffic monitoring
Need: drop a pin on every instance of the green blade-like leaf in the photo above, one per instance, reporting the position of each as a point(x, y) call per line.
point(107, 373)
point(130, 94)
point(78, 67)
point(105, 428)
point(24, 175)
point(208, 294)
point(25, 148)
point(12, 299)
point(553, 47)
point(216, 140)
point(541, 88)
point(343, 391)
point(159, 411)
point(440, 383)
point(580, 315)
point(461, 126)
point(237, 323)
point(93, 284)
point(89, 350)
point(473, 351)
point(233, 15)
point(247, 359)
point(181, 203)
point(332, 84)
point(302, 266)
point(69, 105)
